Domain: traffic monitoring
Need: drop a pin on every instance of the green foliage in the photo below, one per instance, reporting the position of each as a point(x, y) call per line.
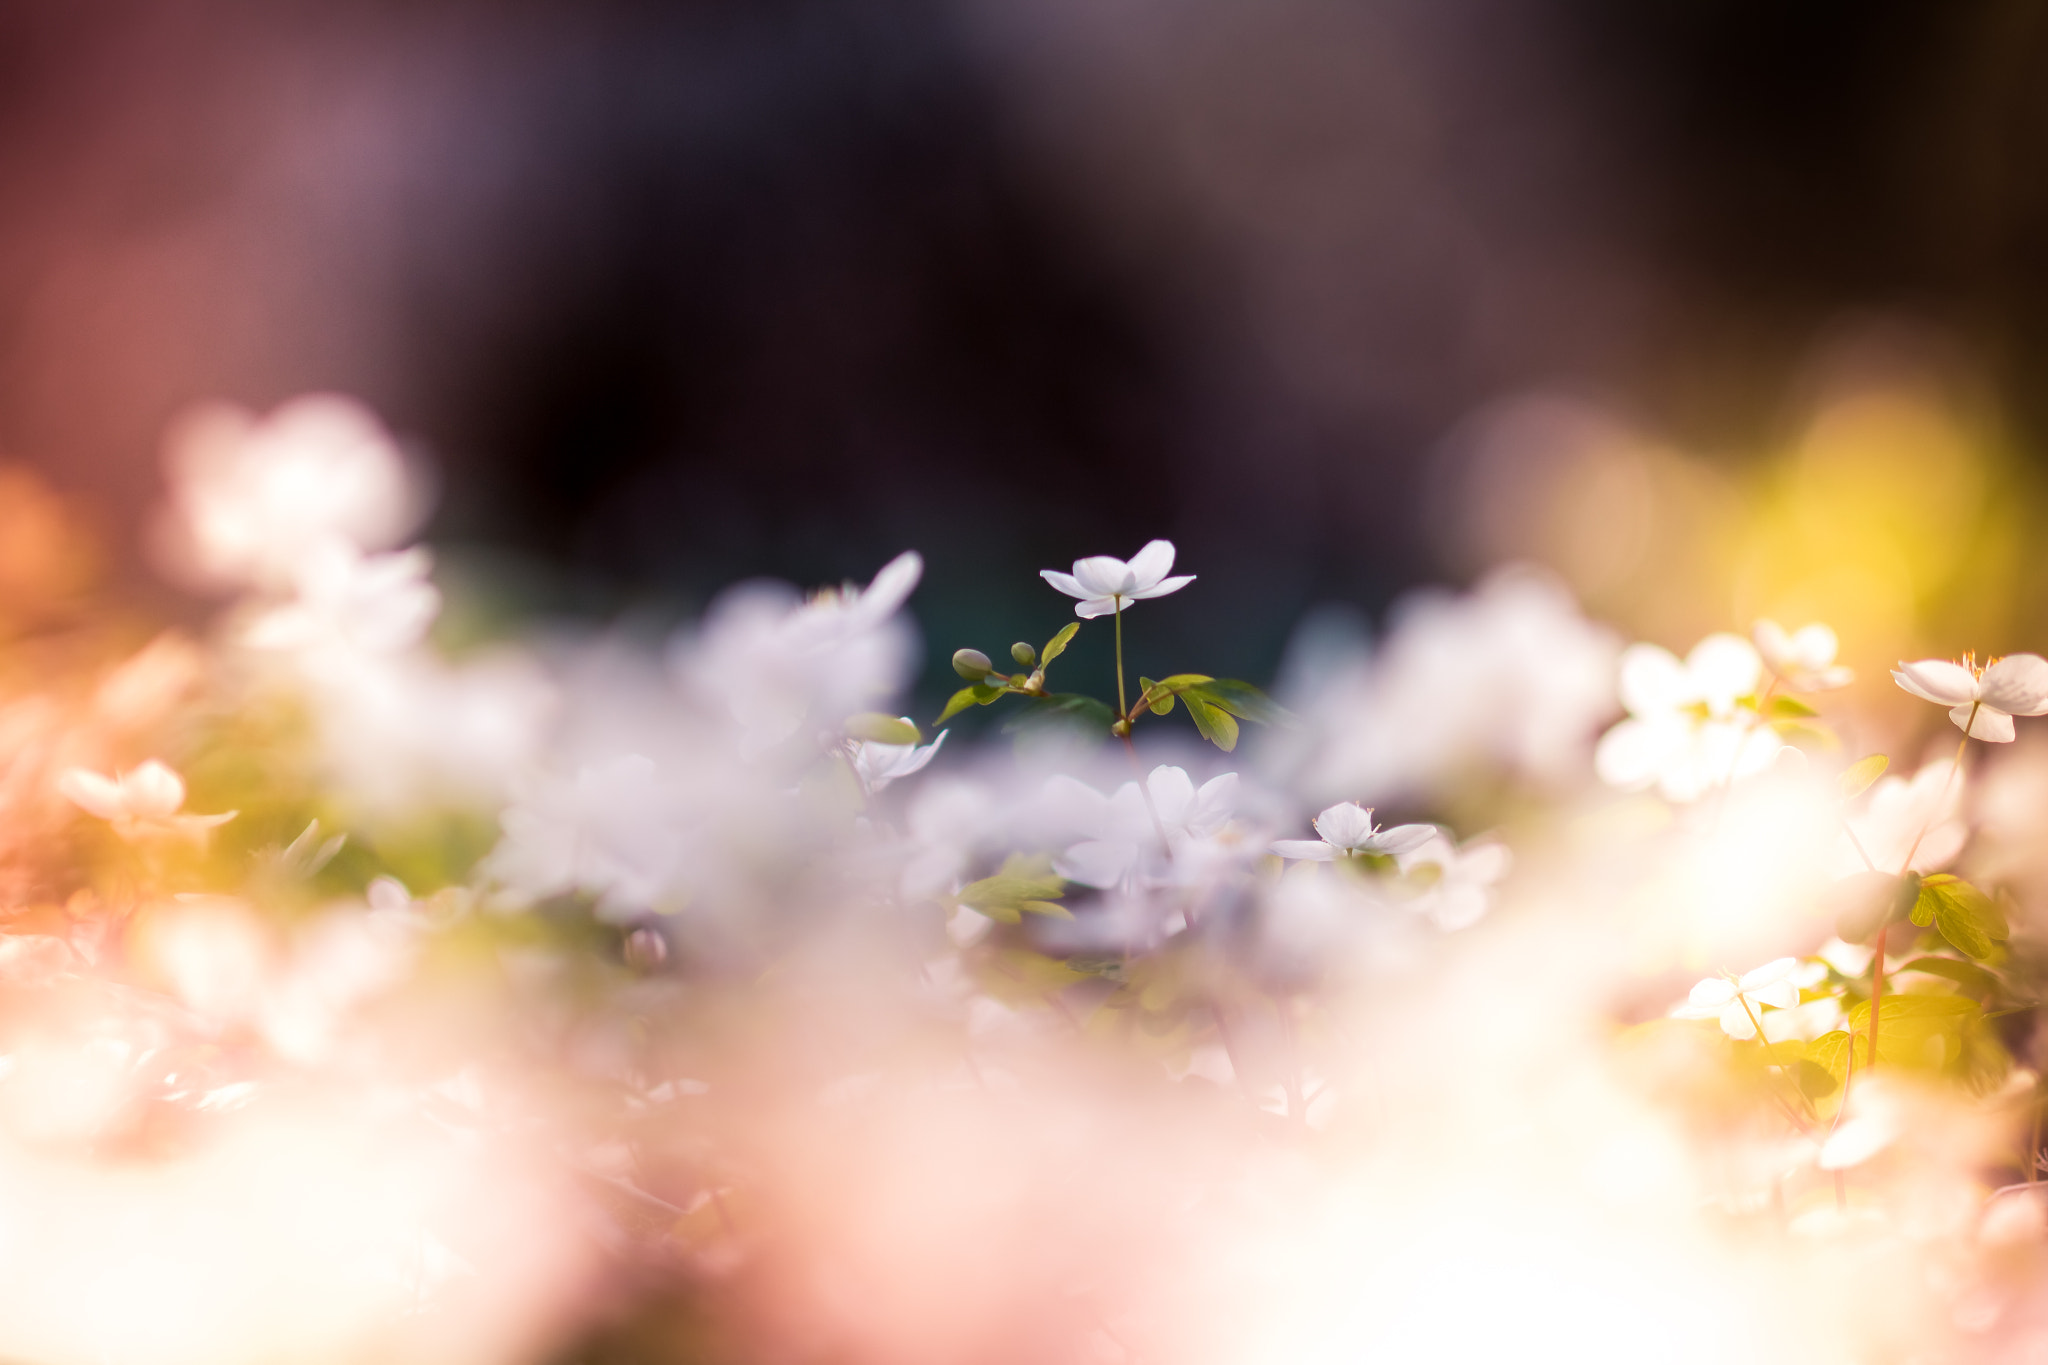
point(979, 694)
point(1858, 776)
point(1026, 884)
point(1057, 645)
point(1974, 980)
point(1788, 708)
point(1965, 916)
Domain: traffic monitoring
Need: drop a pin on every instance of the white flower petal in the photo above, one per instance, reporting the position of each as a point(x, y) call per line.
point(2017, 685)
point(1149, 565)
point(892, 586)
point(1776, 970)
point(1937, 680)
point(1400, 839)
point(1308, 850)
point(1652, 680)
point(1162, 589)
point(1991, 725)
point(1065, 582)
point(1721, 668)
point(1094, 607)
point(153, 790)
point(1346, 825)
point(1713, 993)
point(1735, 1021)
point(1779, 994)
point(1104, 576)
point(1814, 647)
point(94, 793)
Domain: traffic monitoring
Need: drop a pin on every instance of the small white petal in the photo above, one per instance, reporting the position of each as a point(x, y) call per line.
point(1776, 970)
point(1736, 1023)
point(1779, 994)
point(1713, 993)
point(1991, 725)
point(2017, 685)
point(1937, 680)
point(1652, 680)
point(1094, 607)
point(1721, 668)
point(1162, 589)
point(1065, 582)
point(153, 790)
point(1345, 825)
point(1400, 839)
point(1104, 576)
point(1308, 850)
point(1149, 565)
point(94, 793)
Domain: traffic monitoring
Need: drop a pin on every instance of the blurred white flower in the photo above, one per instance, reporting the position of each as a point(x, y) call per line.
point(1804, 659)
point(1733, 1002)
point(880, 764)
point(1465, 877)
point(607, 830)
point(1104, 583)
point(140, 803)
point(2016, 685)
point(1347, 829)
point(1899, 814)
point(1507, 678)
point(774, 663)
point(377, 604)
point(251, 495)
point(1126, 826)
point(1685, 733)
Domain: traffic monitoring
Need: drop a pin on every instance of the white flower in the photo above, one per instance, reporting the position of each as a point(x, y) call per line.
point(774, 662)
point(1733, 1002)
point(377, 604)
point(1104, 583)
point(1127, 825)
point(1804, 659)
point(1463, 890)
point(1346, 829)
point(880, 764)
point(1686, 731)
point(250, 495)
point(1921, 817)
point(2016, 685)
point(141, 803)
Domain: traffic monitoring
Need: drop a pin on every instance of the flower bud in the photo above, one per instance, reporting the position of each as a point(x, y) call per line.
point(646, 949)
point(1024, 654)
point(972, 664)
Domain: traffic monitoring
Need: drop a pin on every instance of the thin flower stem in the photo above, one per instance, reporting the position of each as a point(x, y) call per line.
point(1757, 1024)
point(1123, 709)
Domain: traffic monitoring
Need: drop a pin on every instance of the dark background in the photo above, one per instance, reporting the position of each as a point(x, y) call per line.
point(679, 293)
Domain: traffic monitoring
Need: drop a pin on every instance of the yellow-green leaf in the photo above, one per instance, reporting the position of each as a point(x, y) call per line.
point(877, 728)
point(1057, 645)
point(1857, 777)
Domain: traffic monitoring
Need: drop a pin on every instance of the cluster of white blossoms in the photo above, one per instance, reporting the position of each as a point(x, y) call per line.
point(357, 1002)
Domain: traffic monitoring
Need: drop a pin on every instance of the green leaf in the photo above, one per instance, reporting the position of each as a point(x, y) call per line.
point(1966, 917)
point(1070, 707)
point(980, 694)
point(1858, 776)
point(1024, 884)
point(1057, 645)
point(1789, 708)
point(1811, 731)
point(877, 728)
point(1968, 975)
point(1153, 698)
point(1243, 700)
point(1924, 1031)
point(1216, 726)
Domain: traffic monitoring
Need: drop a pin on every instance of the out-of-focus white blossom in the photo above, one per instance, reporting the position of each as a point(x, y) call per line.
point(347, 600)
point(1733, 1002)
point(1508, 678)
point(1684, 733)
point(1804, 659)
point(1346, 829)
point(1920, 816)
point(1104, 584)
point(776, 662)
point(1462, 891)
point(1126, 827)
point(608, 830)
point(141, 803)
point(1981, 700)
point(250, 496)
point(880, 764)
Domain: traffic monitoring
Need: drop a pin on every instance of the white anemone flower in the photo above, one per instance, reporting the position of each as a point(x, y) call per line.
point(1104, 583)
point(1347, 829)
point(1463, 890)
point(1920, 819)
point(1734, 1002)
point(1803, 659)
point(373, 604)
point(1981, 701)
point(141, 803)
point(1686, 732)
point(880, 764)
point(1126, 826)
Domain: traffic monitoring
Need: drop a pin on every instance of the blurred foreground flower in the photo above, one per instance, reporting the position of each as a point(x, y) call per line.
point(141, 803)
